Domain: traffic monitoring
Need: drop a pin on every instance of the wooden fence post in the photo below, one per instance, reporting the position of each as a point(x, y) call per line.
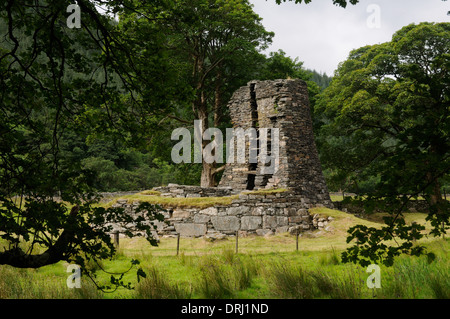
point(178, 243)
point(296, 241)
point(237, 240)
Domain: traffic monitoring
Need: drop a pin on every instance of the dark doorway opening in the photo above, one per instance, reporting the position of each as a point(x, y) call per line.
point(252, 168)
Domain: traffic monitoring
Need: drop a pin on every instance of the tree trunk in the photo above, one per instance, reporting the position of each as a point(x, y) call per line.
point(208, 169)
point(18, 258)
point(200, 107)
point(208, 174)
point(435, 196)
point(218, 98)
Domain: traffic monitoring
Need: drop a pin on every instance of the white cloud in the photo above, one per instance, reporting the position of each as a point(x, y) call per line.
point(322, 35)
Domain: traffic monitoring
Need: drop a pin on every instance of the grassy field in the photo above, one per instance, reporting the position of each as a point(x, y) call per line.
point(264, 268)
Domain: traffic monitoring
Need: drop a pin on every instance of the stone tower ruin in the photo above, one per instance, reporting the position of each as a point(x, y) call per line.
point(283, 107)
point(282, 104)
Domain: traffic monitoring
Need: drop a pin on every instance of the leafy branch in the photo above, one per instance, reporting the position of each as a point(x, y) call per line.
point(370, 244)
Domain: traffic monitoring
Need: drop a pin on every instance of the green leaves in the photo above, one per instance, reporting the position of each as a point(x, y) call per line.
point(373, 245)
point(58, 88)
point(384, 118)
point(140, 273)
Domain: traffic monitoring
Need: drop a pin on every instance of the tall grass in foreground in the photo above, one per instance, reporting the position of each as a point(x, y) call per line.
point(409, 278)
point(157, 286)
point(223, 276)
point(294, 282)
point(229, 275)
point(27, 284)
point(332, 258)
point(415, 278)
point(218, 276)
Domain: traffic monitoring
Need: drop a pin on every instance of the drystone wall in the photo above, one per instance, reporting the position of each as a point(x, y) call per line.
point(414, 206)
point(260, 214)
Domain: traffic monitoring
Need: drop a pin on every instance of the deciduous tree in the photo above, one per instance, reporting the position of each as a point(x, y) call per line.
point(54, 79)
point(386, 113)
point(206, 39)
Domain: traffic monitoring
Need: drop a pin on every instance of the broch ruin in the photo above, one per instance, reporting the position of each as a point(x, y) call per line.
point(281, 104)
point(300, 185)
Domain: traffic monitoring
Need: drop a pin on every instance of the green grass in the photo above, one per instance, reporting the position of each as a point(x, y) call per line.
point(45, 283)
point(263, 268)
point(293, 281)
point(183, 202)
point(222, 274)
point(336, 198)
point(157, 285)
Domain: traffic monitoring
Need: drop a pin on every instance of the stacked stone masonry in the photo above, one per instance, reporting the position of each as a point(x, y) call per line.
point(281, 104)
point(260, 214)
point(181, 191)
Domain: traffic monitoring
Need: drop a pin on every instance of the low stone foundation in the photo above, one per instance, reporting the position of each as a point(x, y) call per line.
point(260, 214)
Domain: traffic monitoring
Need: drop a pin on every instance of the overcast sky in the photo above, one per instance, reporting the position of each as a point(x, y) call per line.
point(322, 35)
